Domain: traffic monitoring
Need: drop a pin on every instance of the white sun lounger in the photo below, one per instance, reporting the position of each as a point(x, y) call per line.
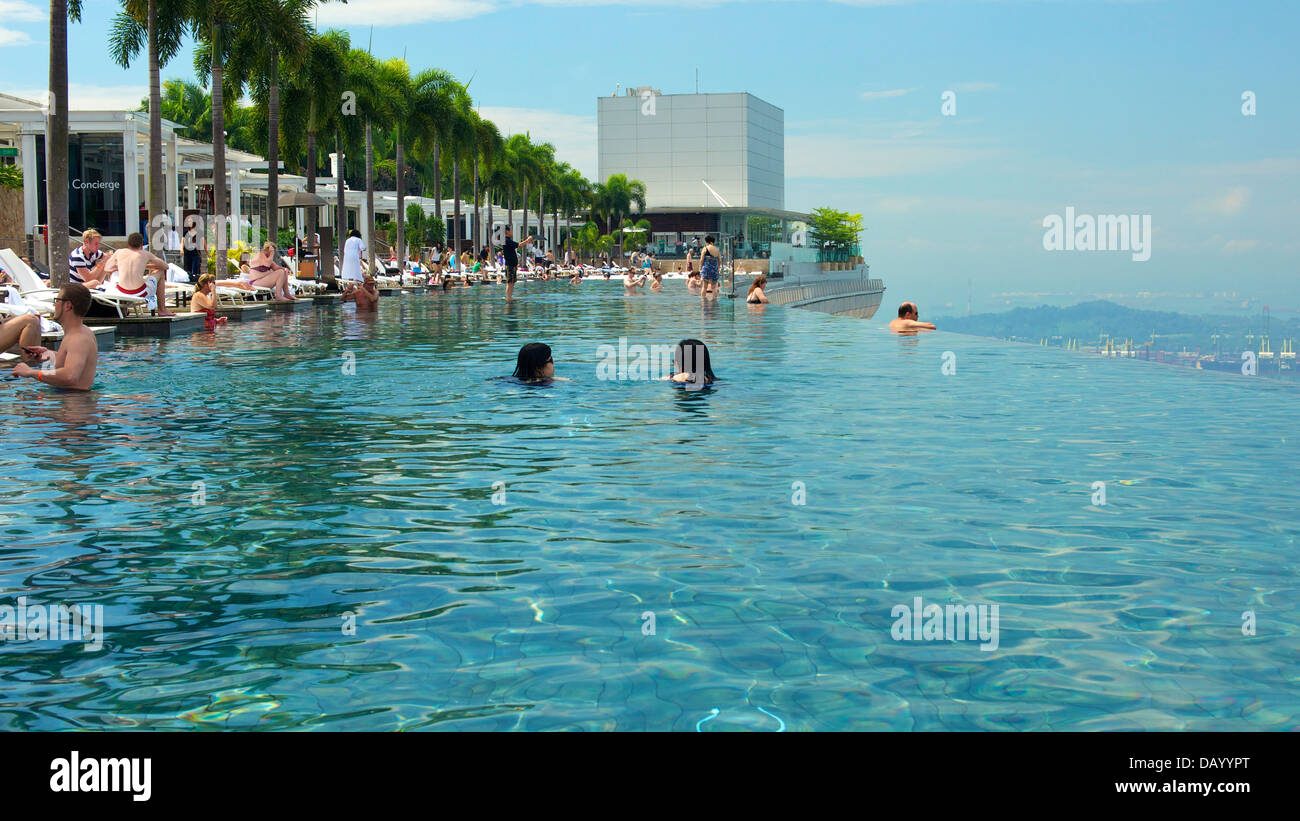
point(17, 306)
point(31, 286)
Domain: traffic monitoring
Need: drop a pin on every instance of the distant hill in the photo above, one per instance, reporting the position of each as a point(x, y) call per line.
point(1087, 321)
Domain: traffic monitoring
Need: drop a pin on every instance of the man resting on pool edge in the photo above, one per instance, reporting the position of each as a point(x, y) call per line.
point(907, 320)
point(77, 356)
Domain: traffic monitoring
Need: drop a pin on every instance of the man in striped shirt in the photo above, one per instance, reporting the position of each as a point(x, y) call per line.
point(86, 262)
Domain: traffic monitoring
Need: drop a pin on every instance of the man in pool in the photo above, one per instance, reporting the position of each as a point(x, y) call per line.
point(366, 295)
point(907, 320)
point(75, 361)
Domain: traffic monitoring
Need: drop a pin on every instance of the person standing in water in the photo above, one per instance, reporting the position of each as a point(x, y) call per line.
point(510, 249)
point(710, 267)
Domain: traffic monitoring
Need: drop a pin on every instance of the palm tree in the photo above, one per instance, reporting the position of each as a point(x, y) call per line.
point(615, 197)
point(488, 144)
point(575, 192)
point(460, 136)
point(272, 32)
point(162, 25)
point(395, 80)
point(214, 31)
point(555, 194)
point(432, 108)
point(56, 140)
point(524, 165)
point(189, 104)
point(319, 80)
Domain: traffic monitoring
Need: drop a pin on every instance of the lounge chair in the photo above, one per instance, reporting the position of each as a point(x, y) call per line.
point(32, 287)
point(17, 306)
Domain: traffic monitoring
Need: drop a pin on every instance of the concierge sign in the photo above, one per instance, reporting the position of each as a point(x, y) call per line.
point(95, 185)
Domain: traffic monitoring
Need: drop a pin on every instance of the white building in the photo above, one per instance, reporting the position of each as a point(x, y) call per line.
point(695, 150)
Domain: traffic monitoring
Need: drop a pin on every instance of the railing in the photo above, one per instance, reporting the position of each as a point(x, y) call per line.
point(838, 254)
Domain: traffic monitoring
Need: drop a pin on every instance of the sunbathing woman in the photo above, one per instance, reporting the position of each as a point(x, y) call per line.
point(204, 302)
point(264, 273)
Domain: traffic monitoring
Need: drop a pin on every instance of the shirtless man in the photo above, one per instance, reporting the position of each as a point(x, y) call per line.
point(132, 264)
point(631, 283)
point(366, 295)
point(74, 362)
point(906, 321)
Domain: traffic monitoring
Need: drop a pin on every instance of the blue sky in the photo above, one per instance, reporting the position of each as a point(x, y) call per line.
point(1109, 107)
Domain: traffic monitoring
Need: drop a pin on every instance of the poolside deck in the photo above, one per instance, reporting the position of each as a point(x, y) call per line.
point(242, 313)
point(161, 327)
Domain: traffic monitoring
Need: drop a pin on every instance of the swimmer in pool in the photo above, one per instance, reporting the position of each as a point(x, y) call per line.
point(535, 364)
point(691, 364)
point(907, 320)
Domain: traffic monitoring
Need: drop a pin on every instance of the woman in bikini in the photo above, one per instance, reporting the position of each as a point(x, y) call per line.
point(756, 295)
point(264, 273)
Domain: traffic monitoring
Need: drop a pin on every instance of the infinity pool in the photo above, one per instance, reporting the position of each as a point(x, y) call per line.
point(279, 543)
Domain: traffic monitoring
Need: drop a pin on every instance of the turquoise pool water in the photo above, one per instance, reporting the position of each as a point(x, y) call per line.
point(372, 494)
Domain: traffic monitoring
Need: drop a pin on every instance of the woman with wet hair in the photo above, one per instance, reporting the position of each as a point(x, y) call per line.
point(691, 364)
point(535, 363)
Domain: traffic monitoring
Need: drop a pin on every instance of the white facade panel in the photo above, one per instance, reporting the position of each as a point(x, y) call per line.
point(735, 141)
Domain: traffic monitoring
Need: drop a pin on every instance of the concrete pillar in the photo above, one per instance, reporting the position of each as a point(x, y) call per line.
point(173, 177)
point(31, 184)
point(130, 179)
point(236, 218)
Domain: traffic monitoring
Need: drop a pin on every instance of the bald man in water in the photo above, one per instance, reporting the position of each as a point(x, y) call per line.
point(907, 319)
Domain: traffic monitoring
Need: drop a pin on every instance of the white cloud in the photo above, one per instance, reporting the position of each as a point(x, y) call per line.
point(573, 135)
point(881, 95)
point(9, 37)
point(1227, 205)
point(19, 11)
point(400, 12)
point(971, 88)
point(86, 97)
point(1234, 246)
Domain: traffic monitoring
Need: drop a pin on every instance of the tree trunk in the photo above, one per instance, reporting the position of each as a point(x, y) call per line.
point(555, 223)
point(401, 201)
point(273, 154)
point(455, 201)
point(541, 217)
point(341, 218)
point(56, 147)
point(523, 231)
point(487, 195)
point(477, 232)
point(310, 230)
point(370, 195)
point(437, 180)
point(157, 183)
point(222, 226)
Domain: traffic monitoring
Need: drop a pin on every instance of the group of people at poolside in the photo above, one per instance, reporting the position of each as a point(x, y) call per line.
point(133, 271)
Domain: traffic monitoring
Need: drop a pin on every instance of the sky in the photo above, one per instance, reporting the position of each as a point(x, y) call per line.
point(1109, 108)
